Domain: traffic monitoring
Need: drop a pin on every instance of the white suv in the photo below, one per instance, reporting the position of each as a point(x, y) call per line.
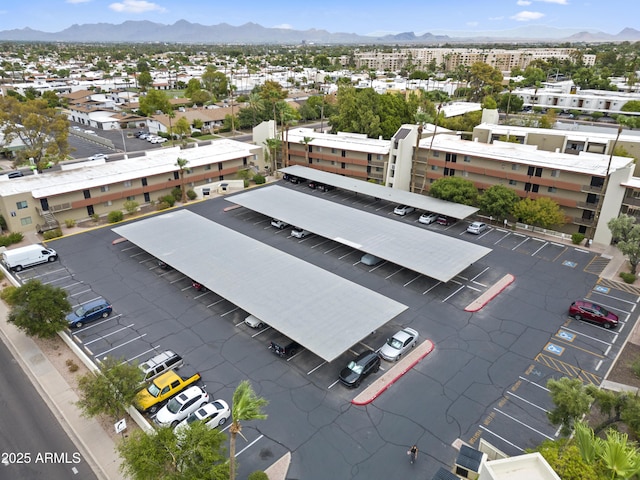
point(278, 223)
point(403, 209)
point(181, 406)
point(299, 233)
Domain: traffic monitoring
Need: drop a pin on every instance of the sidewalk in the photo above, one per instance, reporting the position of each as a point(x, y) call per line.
point(97, 448)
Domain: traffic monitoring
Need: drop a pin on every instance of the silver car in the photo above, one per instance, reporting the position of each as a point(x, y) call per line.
point(477, 228)
point(399, 344)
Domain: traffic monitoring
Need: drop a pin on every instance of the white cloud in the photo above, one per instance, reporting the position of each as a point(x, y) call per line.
point(523, 3)
point(78, 1)
point(286, 26)
point(472, 24)
point(559, 2)
point(526, 16)
point(136, 6)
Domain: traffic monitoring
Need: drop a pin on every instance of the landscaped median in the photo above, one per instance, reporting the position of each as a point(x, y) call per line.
point(491, 293)
point(390, 377)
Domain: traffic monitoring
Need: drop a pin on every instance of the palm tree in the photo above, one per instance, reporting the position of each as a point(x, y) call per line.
point(272, 148)
point(255, 104)
point(421, 118)
point(181, 163)
point(435, 129)
point(306, 141)
point(246, 406)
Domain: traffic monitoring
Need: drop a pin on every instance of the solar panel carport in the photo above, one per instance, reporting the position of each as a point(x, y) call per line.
point(321, 311)
point(421, 202)
point(432, 254)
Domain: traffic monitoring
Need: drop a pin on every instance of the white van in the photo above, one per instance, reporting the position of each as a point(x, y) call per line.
point(20, 258)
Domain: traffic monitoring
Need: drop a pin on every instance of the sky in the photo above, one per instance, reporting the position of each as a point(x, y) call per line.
point(364, 17)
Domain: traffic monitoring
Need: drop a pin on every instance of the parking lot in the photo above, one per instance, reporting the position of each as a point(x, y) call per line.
point(485, 378)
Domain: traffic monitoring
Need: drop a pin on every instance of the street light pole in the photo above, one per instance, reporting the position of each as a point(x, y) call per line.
point(596, 216)
point(124, 145)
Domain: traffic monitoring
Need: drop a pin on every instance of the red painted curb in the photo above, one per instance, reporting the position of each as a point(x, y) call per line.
point(393, 380)
point(118, 240)
point(232, 207)
point(489, 295)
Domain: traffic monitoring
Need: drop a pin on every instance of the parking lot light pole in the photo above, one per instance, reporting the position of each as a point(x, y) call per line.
point(124, 145)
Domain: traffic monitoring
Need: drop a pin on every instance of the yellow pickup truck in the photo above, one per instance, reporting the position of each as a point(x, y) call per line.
point(161, 389)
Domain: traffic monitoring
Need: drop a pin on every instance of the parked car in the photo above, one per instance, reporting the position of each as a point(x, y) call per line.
point(140, 133)
point(198, 286)
point(358, 369)
point(446, 221)
point(592, 312)
point(278, 223)
point(214, 414)
point(89, 312)
point(144, 135)
point(254, 322)
point(89, 132)
point(181, 406)
point(98, 156)
point(428, 218)
point(477, 228)
point(296, 180)
point(159, 363)
point(284, 347)
point(403, 210)
point(399, 344)
point(313, 184)
point(325, 188)
point(370, 260)
point(299, 233)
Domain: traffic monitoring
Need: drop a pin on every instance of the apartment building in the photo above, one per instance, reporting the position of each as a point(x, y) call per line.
point(451, 58)
point(80, 190)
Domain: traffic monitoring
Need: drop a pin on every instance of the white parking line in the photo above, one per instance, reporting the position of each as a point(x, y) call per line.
point(633, 304)
point(80, 293)
point(121, 345)
point(260, 332)
point(202, 294)
point(321, 243)
point(523, 241)
point(378, 266)
point(49, 273)
point(230, 311)
point(599, 365)
point(332, 249)
point(248, 446)
point(333, 384)
point(154, 349)
point(72, 284)
point(585, 335)
point(345, 255)
point(96, 324)
point(132, 247)
point(523, 424)
point(392, 274)
point(429, 289)
point(581, 250)
point(502, 238)
point(215, 303)
point(412, 280)
point(511, 394)
point(453, 294)
point(501, 438)
point(137, 254)
point(533, 383)
point(102, 337)
point(473, 288)
point(610, 307)
point(177, 280)
point(545, 244)
point(315, 368)
point(486, 268)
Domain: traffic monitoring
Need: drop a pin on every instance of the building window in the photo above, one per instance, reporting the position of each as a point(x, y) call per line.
point(207, 167)
point(25, 221)
point(21, 205)
point(176, 175)
point(108, 203)
point(244, 161)
point(86, 193)
point(465, 173)
point(434, 168)
point(436, 154)
point(147, 197)
point(379, 157)
point(104, 188)
point(144, 181)
point(127, 183)
point(467, 159)
point(515, 166)
point(333, 162)
point(333, 150)
point(535, 188)
point(344, 153)
point(131, 198)
point(555, 173)
point(538, 172)
point(552, 189)
point(368, 157)
point(343, 165)
point(513, 182)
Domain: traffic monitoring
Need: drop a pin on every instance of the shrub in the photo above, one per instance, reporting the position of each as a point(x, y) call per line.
point(70, 223)
point(635, 366)
point(10, 239)
point(131, 206)
point(258, 475)
point(170, 199)
point(52, 234)
point(162, 205)
point(95, 217)
point(115, 216)
point(177, 194)
point(628, 277)
point(577, 238)
point(196, 134)
point(191, 195)
point(7, 292)
point(259, 179)
point(72, 366)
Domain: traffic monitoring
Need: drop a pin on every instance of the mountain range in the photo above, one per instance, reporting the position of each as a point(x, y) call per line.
point(251, 33)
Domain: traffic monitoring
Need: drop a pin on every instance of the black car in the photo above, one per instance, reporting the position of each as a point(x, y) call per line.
point(356, 370)
point(284, 347)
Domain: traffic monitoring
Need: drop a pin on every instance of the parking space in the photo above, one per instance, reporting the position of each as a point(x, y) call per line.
point(577, 349)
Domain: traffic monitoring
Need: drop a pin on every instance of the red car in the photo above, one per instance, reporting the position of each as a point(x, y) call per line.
point(591, 312)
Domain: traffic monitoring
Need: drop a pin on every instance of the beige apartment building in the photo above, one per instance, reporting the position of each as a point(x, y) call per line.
point(80, 190)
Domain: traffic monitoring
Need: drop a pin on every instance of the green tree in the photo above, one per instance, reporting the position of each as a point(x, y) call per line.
point(246, 406)
point(42, 130)
point(182, 163)
point(182, 129)
point(200, 97)
point(484, 78)
point(306, 141)
point(215, 82)
point(627, 234)
point(565, 459)
point(455, 189)
point(273, 145)
point(154, 101)
point(542, 212)
point(109, 390)
point(38, 309)
point(498, 201)
point(192, 86)
point(144, 80)
point(196, 453)
point(571, 401)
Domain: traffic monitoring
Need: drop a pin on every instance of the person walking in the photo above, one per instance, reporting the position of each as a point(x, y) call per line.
point(413, 454)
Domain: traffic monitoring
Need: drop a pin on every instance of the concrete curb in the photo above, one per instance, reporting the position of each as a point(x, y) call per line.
point(391, 376)
point(491, 293)
point(278, 470)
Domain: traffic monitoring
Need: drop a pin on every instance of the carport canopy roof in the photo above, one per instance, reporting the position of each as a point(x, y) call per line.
point(401, 197)
point(419, 249)
point(323, 312)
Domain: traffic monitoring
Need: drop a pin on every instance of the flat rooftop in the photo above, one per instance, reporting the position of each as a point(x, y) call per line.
point(432, 254)
point(323, 312)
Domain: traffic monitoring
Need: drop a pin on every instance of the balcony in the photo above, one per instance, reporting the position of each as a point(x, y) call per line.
point(588, 205)
point(591, 188)
point(631, 201)
point(583, 221)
